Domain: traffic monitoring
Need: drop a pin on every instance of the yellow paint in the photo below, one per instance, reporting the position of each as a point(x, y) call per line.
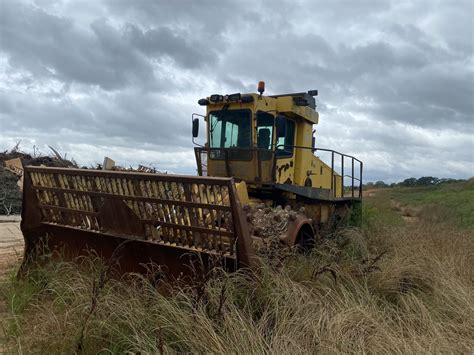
point(242, 192)
point(285, 170)
point(324, 213)
point(303, 156)
point(320, 175)
point(303, 166)
point(285, 105)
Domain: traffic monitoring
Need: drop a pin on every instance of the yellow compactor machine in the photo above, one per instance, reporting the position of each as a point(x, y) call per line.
point(258, 155)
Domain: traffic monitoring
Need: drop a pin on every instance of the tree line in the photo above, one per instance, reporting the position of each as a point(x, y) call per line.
point(422, 181)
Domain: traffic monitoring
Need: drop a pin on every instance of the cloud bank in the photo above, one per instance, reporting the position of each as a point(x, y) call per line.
point(122, 78)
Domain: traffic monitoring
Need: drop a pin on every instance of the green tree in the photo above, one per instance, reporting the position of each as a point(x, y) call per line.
point(427, 180)
point(409, 182)
point(380, 184)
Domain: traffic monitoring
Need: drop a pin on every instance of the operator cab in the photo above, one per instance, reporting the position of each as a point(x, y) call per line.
point(254, 138)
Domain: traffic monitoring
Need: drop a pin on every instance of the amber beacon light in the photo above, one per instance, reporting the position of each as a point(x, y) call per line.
point(261, 87)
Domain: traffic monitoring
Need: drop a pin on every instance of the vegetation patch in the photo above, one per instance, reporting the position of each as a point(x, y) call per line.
point(387, 287)
point(451, 203)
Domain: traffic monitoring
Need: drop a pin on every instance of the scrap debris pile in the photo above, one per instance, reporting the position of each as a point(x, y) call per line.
point(270, 225)
point(109, 164)
point(10, 194)
point(11, 172)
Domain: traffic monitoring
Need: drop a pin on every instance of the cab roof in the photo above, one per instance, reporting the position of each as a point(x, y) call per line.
point(297, 105)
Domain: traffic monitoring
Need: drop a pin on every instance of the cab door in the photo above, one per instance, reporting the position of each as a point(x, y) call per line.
point(285, 151)
point(264, 154)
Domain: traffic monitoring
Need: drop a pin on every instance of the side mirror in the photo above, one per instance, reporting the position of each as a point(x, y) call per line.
point(280, 126)
point(195, 127)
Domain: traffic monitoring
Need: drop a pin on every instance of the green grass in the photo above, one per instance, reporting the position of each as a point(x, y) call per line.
point(447, 203)
point(388, 287)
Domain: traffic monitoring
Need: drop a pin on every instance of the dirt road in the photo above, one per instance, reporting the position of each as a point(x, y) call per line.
point(11, 251)
point(11, 242)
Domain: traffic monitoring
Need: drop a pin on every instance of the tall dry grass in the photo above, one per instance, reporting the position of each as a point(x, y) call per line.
point(386, 288)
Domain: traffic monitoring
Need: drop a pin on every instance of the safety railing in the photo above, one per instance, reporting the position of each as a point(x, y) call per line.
point(343, 165)
point(353, 162)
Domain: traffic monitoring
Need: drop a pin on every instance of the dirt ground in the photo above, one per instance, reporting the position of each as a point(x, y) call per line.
point(11, 251)
point(369, 193)
point(11, 242)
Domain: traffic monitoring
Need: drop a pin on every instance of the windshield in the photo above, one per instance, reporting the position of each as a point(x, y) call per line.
point(230, 129)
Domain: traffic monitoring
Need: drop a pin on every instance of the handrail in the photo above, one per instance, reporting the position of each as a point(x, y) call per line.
point(334, 152)
point(313, 150)
point(350, 176)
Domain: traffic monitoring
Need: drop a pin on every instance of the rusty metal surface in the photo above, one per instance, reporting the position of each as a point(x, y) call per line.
point(163, 218)
point(295, 227)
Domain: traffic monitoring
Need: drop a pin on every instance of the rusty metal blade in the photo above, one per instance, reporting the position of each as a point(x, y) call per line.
point(163, 218)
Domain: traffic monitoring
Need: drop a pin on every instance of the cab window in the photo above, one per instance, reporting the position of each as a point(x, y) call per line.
point(285, 144)
point(265, 123)
point(230, 129)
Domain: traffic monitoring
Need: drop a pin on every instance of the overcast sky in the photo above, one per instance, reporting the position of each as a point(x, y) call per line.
point(122, 78)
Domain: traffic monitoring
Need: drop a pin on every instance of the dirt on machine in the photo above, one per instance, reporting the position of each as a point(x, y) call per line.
point(261, 178)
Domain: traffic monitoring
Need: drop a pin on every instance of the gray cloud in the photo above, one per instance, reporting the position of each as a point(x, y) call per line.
point(163, 41)
point(50, 46)
point(396, 80)
point(100, 119)
point(206, 17)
